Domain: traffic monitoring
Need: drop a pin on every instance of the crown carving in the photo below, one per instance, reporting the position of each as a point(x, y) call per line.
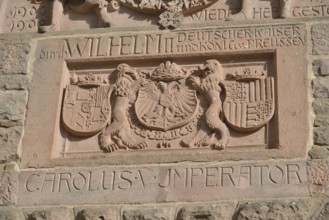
point(247, 75)
point(88, 80)
point(168, 71)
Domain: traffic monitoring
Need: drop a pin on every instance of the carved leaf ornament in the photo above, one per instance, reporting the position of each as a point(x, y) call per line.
point(165, 105)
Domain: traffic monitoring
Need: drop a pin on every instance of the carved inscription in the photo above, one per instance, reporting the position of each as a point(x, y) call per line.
point(180, 42)
point(114, 184)
point(315, 8)
point(25, 17)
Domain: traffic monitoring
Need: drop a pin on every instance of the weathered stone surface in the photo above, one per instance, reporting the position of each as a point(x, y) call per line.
point(319, 152)
point(11, 214)
point(320, 39)
point(321, 87)
point(321, 67)
point(8, 184)
point(10, 139)
point(321, 136)
point(278, 210)
point(321, 106)
point(13, 82)
point(321, 121)
point(322, 213)
point(55, 213)
point(206, 212)
point(12, 108)
point(147, 213)
point(14, 57)
point(96, 213)
point(318, 172)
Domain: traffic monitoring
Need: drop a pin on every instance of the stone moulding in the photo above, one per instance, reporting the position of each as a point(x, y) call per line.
point(259, 69)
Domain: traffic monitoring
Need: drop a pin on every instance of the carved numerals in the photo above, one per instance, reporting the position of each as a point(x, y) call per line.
point(26, 18)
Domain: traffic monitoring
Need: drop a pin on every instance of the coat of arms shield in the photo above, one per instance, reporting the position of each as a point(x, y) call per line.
point(249, 103)
point(165, 105)
point(86, 110)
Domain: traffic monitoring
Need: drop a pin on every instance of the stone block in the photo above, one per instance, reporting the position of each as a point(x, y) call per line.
point(321, 136)
point(319, 152)
point(321, 87)
point(56, 213)
point(321, 121)
point(96, 213)
point(8, 184)
point(320, 39)
point(12, 108)
point(321, 106)
point(10, 139)
point(206, 212)
point(11, 214)
point(318, 175)
point(142, 213)
point(275, 210)
point(321, 67)
point(13, 82)
point(14, 57)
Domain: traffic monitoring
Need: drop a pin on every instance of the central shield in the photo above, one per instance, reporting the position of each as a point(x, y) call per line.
point(165, 105)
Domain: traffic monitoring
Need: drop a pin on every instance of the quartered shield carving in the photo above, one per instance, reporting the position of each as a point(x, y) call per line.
point(86, 109)
point(165, 105)
point(249, 103)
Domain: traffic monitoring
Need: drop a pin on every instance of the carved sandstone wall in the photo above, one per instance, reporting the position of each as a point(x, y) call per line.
point(171, 110)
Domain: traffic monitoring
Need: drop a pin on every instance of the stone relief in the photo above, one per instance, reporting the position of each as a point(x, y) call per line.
point(171, 13)
point(169, 106)
point(50, 15)
point(100, 7)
